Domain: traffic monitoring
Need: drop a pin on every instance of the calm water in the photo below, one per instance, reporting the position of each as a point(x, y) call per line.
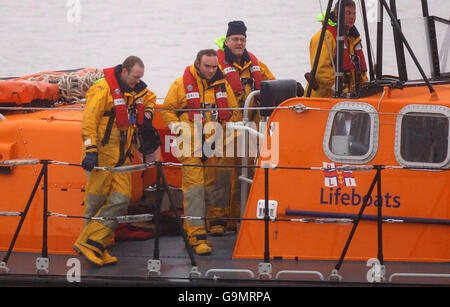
point(39, 36)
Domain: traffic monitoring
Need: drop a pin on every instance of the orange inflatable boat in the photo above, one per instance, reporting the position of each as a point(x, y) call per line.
point(25, 92)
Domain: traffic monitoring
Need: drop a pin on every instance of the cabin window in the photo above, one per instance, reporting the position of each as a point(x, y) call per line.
point(352, 133)
point(422, 136)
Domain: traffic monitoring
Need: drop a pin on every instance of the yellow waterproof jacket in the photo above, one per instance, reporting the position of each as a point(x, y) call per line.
point(325, 77)
point(176, 99)
point(245, 74)
point(99, 105)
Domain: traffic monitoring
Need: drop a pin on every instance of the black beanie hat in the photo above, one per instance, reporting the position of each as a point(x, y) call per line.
point(236, 27)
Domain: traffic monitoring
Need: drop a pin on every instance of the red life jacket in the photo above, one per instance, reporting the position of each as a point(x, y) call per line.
point(232, 74)
point(348, 66)
point(120, 106)
point(193, 96)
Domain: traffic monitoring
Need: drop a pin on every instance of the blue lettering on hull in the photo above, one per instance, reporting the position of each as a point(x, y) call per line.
point(338, 197)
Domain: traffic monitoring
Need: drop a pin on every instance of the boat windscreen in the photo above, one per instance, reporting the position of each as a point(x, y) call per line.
point(428, 37)
point(416, 33)
point(443, 43)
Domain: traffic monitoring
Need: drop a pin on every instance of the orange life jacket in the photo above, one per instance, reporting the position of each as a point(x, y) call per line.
point(348, 65)
point(232, 74)
point(120, 106)
point(193, 96)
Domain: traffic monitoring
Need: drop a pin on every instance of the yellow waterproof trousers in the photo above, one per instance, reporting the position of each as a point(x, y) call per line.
point(107, 195)
point(204, 188)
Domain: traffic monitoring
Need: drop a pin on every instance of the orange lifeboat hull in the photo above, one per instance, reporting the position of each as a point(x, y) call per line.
point(406, 193)
point(51, 135)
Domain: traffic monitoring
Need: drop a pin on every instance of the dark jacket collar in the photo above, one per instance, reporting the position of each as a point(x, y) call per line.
point(217, 77)
point(125, 88)
point(231, 58)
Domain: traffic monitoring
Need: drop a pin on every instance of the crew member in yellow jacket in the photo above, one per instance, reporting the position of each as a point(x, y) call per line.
point(244, 72)
point(119, 110)
point(202, 86)
point(355, 69)
point(242, 69)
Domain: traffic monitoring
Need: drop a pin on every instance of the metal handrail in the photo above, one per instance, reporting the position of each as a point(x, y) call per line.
point(244, 171)
point(291, 272)
point(418, 275)
point(230, 271)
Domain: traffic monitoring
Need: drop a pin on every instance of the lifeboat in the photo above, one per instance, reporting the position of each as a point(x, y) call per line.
point(404, 135)
point(365, 175)
point(343, 186)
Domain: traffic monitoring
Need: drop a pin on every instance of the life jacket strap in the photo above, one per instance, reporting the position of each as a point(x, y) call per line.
point(112, 115)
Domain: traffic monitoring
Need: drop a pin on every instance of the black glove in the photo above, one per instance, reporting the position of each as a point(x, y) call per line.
point(314, 84)
point(300, 90)
point(148, 121)
point(150, 138)
point(90, 160)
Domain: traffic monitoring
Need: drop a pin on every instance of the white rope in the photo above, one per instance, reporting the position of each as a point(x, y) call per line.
point(120, 219)
point(15, 162)
point(10, 213)
point(143, 166)
point(73, 87)
point(343, 221)
point(149, 217)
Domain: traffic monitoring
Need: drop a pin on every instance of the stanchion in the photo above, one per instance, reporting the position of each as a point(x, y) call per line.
point(160, 174)
point(380, 216)
point(42, 262)
point(265, 268)
point(154, 265)
point(266, 216)
point(376, 180)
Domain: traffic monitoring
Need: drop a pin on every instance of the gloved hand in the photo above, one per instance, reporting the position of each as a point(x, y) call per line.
point(148, 121)
point(90, 160)
point(300, 90)
point(149, 137)
point(314, 84)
